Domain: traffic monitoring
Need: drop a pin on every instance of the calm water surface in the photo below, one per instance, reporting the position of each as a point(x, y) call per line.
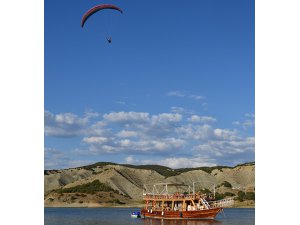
point(121, 216)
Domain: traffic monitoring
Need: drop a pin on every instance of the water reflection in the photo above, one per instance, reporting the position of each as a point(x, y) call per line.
point(121, 216)
point(149, 221)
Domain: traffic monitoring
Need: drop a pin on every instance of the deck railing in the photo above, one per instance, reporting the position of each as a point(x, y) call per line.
point(173, 196)
point(226, 202)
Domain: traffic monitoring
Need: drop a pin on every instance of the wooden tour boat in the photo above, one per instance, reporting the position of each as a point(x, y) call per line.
point(159, 204)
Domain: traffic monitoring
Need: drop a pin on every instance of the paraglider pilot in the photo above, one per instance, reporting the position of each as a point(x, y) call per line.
point(108, 39)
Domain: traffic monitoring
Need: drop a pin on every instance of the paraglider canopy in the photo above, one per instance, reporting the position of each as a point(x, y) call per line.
point(96, 9)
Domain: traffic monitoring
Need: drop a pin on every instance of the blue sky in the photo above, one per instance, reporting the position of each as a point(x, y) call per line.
point(175, 87)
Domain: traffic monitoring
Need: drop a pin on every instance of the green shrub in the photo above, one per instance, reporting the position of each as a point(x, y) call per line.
point(241, 196)
point(226, 184)
point(219, 196)
point(89, 188)
point(228, 194)
point(95, 173)
point(250, 196)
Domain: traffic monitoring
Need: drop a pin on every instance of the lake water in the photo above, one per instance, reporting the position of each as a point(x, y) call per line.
point(121, 216)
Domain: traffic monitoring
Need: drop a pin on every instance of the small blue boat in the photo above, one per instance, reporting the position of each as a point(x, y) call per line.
point(135, 214)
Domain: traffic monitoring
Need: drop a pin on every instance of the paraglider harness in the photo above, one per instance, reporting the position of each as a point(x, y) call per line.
point(108, 39)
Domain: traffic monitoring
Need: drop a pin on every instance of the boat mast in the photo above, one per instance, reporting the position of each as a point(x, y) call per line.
point(167, 189)
point(193, 188)
point(214, 191)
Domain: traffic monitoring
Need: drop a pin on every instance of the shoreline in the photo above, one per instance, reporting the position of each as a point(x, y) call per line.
point(48, 207)
point(94, 205)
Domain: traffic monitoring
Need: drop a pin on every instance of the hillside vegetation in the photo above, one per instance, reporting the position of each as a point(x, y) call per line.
point(89, 188)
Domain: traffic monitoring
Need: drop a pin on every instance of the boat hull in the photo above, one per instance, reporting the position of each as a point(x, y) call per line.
point(197, 214)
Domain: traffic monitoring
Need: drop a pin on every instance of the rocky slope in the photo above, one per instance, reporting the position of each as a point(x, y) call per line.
point(127, 182)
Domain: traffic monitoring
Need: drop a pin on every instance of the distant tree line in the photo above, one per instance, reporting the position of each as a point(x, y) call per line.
point(163, 170)
point(245, 196)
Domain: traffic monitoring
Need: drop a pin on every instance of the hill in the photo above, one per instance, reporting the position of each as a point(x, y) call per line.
point(106, 184)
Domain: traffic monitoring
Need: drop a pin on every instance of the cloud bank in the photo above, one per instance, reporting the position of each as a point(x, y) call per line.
point(173, 139)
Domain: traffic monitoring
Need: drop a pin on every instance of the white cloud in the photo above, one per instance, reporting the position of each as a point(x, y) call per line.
point(236, 123)
point(142, 123)
point(201, 119)
point(127, 117)
point(196, 97)
point(145, 146)
point(168, 144)
point(176, 109)
point(166, 118)
point(55, 159)
point(225, 147)
point(126, 134)
point(248, 122)
point(250, 115)
point(91, 114)
point(184, 162)
point(98, 128)
point(98, 140)
point(183, 94)
point(225, 134)
point(196, 132)
point(65, 124)
point(65, 163)
point(95, 149)
point(120, 102)
point(175, 162)
point(125, 143)
point(52, 152)
point(176, 93)
point(130, 160)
